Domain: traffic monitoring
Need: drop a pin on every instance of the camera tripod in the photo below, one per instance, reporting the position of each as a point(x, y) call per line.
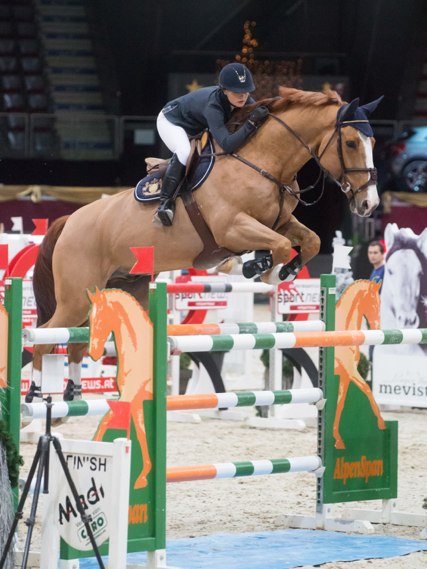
point(41, 463)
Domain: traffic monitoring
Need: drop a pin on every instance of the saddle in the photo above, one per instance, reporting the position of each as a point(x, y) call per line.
point(199, 166)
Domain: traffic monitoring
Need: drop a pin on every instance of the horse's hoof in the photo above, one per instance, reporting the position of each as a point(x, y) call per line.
point(72, 392)
point(34, 391)
point(340, 445)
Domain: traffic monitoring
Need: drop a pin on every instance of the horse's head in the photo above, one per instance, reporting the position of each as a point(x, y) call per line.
point(99, 322)
point(354, 170)
point(406, 265)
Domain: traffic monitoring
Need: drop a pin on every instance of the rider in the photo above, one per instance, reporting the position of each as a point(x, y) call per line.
point(209, 107)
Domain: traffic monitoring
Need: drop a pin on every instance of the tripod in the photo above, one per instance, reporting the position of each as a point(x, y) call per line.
point(41, 460)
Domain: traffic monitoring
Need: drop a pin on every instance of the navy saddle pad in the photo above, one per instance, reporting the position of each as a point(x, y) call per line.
point(148, 189)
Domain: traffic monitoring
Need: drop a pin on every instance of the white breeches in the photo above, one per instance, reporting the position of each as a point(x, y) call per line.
point(174, 137)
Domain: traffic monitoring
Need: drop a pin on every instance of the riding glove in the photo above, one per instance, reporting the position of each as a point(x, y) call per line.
point(258, 116)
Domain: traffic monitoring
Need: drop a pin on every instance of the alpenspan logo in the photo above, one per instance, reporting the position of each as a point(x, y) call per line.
point(362, 468)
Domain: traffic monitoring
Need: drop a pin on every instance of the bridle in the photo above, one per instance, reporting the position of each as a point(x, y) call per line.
point(342, 181)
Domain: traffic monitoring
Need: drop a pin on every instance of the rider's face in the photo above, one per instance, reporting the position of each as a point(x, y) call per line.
point(236, 99)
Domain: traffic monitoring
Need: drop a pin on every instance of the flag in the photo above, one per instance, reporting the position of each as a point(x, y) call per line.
point(17, 224)
point(120, 418)
point(144, 261)
point(40, 226)
point(341, 259)
point(4, 256)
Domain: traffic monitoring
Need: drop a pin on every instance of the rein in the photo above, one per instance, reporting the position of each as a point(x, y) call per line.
point(342, 181)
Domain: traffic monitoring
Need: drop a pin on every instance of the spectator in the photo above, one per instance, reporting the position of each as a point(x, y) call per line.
point(376, 256)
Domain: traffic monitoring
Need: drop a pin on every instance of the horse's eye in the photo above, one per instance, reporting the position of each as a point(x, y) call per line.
point(351, 143)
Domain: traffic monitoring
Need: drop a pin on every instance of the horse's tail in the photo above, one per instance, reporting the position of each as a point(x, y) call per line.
point(43, 283)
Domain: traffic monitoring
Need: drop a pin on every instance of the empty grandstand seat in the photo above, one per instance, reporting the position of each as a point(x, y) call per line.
point(34, 83)
point(44, 143)
point(5, 12)
point(7, 46)
point(13, 102)
point(31, 64)
point(23, 12)
point(16, 140)
point(26, 29)
point(6, 30)
point(28, 46)
point(11, 83)
point(15, 121)
point(8, 64)
point(38, 103)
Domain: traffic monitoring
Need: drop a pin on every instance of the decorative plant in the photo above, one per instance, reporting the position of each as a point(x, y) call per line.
point(13, 458)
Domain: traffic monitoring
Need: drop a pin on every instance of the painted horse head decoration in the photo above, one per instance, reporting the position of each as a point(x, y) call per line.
point(404, 291)
point(247, 203)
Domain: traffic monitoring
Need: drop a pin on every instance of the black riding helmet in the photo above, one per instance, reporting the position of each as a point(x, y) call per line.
point(236, 77)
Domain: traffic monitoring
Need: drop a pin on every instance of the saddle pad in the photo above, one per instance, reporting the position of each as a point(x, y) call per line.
point(149, 188)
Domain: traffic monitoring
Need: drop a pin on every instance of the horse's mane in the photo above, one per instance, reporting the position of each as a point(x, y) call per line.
point(288, 98)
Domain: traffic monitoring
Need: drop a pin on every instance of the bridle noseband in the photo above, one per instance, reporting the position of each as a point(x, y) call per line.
point(343, 180)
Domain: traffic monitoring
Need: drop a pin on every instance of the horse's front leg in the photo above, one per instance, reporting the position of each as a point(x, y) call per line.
point(299, 236)
point(247, 234)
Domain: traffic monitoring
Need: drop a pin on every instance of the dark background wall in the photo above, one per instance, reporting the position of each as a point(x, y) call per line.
point(373, 40)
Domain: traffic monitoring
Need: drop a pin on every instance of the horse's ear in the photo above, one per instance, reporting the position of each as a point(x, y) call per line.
point(92, 295)
point(347, 112)
point(389, 234)
point(422, 242)
point(369, 108)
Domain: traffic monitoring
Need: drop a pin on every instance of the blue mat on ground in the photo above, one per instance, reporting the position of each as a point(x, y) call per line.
point(276, 550)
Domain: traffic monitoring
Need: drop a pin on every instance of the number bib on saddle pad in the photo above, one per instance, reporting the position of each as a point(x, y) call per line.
point(148, 189)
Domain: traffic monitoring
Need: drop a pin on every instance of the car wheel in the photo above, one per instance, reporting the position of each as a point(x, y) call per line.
point(415, 176)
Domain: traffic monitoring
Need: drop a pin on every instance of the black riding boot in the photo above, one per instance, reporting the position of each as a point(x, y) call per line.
point(171, 179)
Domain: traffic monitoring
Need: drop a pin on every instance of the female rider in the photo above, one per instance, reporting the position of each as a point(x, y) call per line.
point(209, 107)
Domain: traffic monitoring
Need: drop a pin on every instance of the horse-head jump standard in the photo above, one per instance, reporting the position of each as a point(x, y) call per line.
point(359, 301)
point(118, 312)
point(404, 291)
point(247, 203)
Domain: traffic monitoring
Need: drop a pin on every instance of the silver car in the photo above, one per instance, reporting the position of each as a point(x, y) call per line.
point(407, 160)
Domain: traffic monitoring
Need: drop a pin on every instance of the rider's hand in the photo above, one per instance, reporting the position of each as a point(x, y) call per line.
point(258, 116)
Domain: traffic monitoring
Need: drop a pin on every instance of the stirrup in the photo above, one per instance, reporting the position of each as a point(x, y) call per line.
point(165, 213)
point(34, 391)
point(72, 391)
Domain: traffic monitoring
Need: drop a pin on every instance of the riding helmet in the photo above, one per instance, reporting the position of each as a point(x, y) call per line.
point(236, 77)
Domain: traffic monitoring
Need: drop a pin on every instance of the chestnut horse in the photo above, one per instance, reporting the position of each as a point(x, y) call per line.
point(247, 202)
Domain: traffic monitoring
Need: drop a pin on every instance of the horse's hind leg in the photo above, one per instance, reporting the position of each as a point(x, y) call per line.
point(68, 315)
point(73, 389)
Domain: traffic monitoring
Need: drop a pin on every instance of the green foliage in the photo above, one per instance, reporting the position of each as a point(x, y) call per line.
point(184, 361)
point(13, 458)
point(363, 366)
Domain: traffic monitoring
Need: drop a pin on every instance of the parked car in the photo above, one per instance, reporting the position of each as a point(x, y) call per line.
point(406, 161)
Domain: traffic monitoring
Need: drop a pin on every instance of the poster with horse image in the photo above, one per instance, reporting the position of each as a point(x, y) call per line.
point(399, 372)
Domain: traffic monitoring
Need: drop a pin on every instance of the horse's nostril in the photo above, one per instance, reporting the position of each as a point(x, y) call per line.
point(365, 205)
